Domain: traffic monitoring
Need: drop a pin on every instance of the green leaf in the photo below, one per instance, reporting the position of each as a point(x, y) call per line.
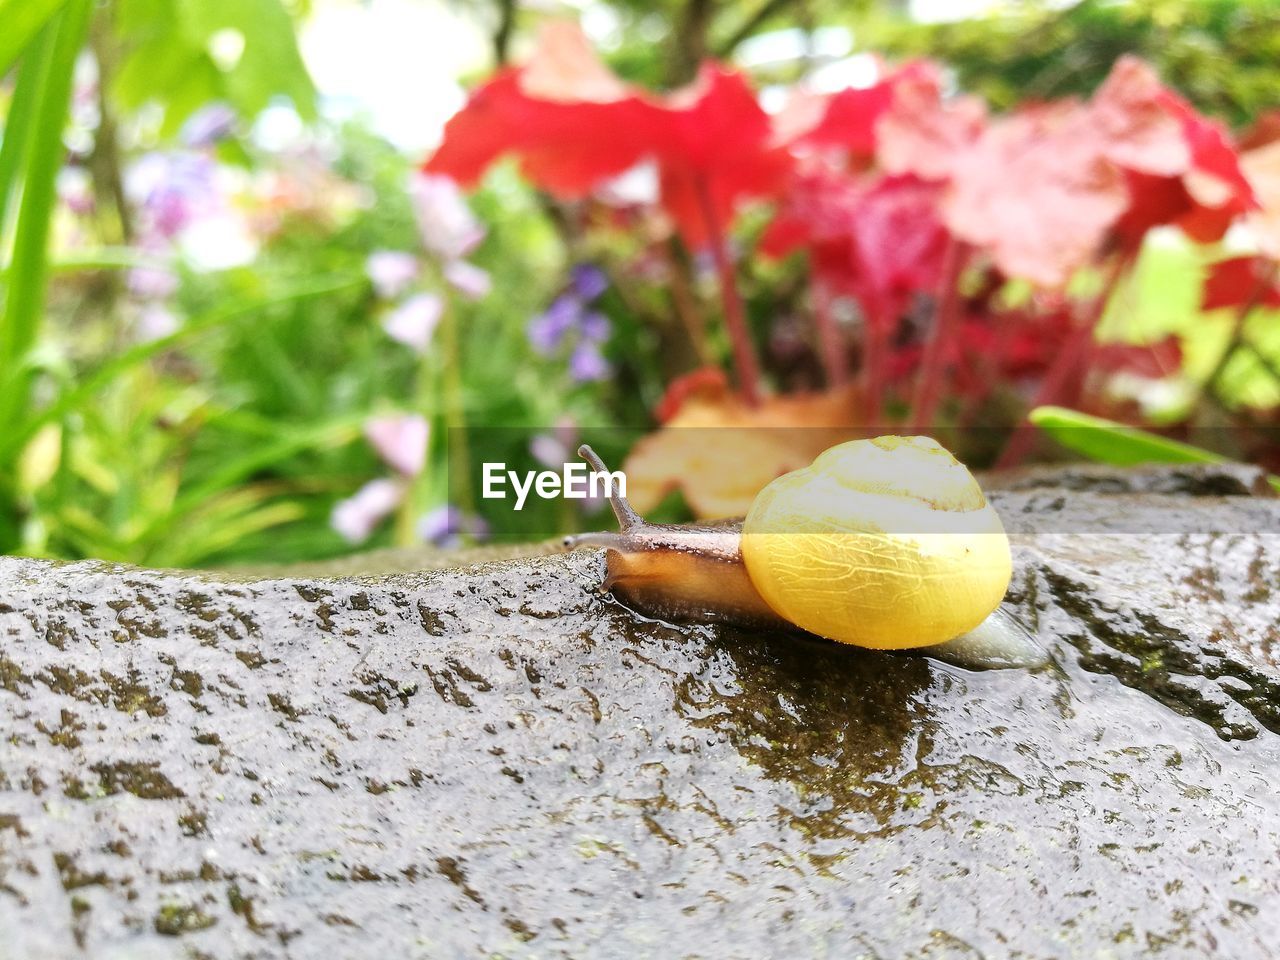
point(25, 294)
point(270, 64)
point(170, 57)
point(1106, 441)
point(17, 129)
point(22, 20)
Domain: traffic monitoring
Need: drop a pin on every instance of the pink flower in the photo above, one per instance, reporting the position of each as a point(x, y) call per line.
point(449, 229)
point(401, 441)
point(391, 272)
point(356, 517)
point(414, 321)
point(468, 279)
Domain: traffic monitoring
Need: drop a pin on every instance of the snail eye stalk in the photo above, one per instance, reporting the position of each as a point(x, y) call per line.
point(627, 517)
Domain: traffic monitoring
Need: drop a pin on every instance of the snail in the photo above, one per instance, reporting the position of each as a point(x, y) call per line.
point(887, 544)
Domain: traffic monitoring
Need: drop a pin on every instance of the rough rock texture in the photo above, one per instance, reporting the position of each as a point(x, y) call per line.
point(495, 762)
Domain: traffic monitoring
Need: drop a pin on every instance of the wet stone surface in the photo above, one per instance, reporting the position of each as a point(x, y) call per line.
point(495, 762)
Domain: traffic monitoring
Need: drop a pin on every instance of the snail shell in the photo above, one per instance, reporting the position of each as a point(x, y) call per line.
point(883, 543)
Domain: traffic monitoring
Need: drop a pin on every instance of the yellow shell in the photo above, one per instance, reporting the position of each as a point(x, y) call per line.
point(883, 543)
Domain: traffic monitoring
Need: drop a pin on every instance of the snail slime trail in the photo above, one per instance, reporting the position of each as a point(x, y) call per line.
point(888, 544)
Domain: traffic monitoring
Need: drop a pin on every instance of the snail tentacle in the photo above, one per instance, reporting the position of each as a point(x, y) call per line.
point(597, 538)
point(627, 517)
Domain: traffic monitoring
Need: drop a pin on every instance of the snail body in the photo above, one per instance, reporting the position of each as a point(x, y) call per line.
point(885, 543)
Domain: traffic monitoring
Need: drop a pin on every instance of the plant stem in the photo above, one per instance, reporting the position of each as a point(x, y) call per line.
point(744, 352)
point(873, 373)
point(933, 366)
point(1263, 360)
point(682, 299)
point(834, 360)
point(455, 413)
point(1236, 339)
point(1065, 365)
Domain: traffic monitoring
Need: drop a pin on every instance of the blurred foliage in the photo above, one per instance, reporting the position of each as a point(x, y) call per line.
point(1223, 55)
point(183, 54)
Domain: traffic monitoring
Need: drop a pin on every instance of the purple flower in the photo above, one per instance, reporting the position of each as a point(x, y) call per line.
point(588, 281)
point(392, 272)
point(208, 125)
point(547, 330)
point(468, 279)
point(587, 364)
point(414, 321)
point(356, 517)
point(173, 190)
point(448, 227)
point(401, 441)
point(445, 525)
point(594, 327)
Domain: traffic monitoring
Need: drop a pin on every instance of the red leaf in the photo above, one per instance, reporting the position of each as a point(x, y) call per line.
point(921, 133)
point(573, 124)
point(1134, 124)
point(848, 118)
point(1238, 281)
point(1180, 165)
point(1151, 360)
point(718, 139)
point(879, 241)
point(559, 144)
point(898, 245)
point(1035, 193)
point(817, 211)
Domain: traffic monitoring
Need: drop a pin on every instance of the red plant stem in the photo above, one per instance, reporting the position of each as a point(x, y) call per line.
point(1236, 338)
point(933, 365)
point(834, 360)
point(745, 360)
point(872, 371)
point(1065, 367)
point(987, 367)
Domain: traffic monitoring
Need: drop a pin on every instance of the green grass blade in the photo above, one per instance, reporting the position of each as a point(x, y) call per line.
point(29, 266)
point(90, 384)
point(17, 128)
point(335, 432)
point(25, 295)
point(102, 258)
point(22, 20)
point(1106, 441)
